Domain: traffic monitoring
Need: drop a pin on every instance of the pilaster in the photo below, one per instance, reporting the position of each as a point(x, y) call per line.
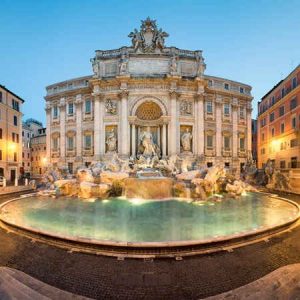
point(78, 104)
point(62, 113)
point(219, 141)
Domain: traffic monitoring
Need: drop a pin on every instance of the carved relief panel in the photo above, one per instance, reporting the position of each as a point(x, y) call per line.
point(111, 107)
point(186, 108)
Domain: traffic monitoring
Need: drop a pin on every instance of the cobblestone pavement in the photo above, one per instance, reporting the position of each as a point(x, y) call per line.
point(108, 278)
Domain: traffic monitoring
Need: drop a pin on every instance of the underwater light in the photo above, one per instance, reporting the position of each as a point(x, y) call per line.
point(244, 193)
point(105, 201)
point(137, 201)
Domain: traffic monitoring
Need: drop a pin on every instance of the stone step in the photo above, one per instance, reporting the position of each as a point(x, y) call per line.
point(17, 285)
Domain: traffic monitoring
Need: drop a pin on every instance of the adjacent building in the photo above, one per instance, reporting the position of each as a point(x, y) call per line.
point(148, 99)
point(254, 139)
point(10, 134)
point(279, 123)
point(34, 147)
point(38, 153)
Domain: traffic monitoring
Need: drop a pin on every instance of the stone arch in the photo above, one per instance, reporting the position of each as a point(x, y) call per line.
point(144, 99)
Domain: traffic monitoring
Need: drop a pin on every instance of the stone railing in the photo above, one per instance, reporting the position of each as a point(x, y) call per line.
point(226, 152)
point(88, 152)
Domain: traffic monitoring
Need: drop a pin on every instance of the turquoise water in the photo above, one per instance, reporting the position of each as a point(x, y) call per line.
point(148, 221)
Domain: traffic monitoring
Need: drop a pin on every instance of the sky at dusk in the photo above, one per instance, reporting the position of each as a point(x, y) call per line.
point(43, 42)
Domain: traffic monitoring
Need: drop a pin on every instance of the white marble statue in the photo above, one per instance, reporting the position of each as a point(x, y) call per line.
point(123, 64)
point(146, 140)
point(111, 141)
point(186, 139)
point(173, 65)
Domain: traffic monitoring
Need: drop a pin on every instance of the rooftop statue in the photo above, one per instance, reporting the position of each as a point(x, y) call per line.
point(149, 38)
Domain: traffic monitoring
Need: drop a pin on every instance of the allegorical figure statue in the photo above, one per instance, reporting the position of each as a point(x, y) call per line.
point(186, 139)
point(146, 140)
point(173, 65)
point(136, 39)
point(111, 107)
point(123, 64)
point(111, 141)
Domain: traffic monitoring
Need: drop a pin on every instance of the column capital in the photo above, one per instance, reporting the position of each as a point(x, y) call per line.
point(173, 93)
point(199, 97)
point(123, 94)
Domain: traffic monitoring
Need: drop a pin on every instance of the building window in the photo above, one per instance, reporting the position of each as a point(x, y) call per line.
point(209, 141)
point(210, 83)
point(70, 109)
point(241, 90)
point(226, 86)
point(88, 142)
point(282, 164)
point(209, 107)
point(263, 122)
point(88, 106)
point(282, 145)
point(1, 96)
point(70, 141)
point(226, 109)
point(70, 167)
point(294, 143)
point(294, 124)
point(282, 92)
point(55, 143)
point(262, 151)
point(55, 112)
point(262, 136)
point(282, 128)
point(281, 111)
point(15, 120)
point(242, 112)
point(0, 154)
point(273, 132)
point(293, 103)
point(294, 162)
point(209, 164)
point(15, 105)
point(272, 117)
point(242, 143)
point(226, 142)
point(294, 82)
point(273, 100)
point(227, 165)
point(15, 156)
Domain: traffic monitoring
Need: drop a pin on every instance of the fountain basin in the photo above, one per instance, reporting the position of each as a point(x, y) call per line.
point(148, 225)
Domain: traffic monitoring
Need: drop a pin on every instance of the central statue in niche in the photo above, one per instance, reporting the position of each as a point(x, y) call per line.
point(147, 146)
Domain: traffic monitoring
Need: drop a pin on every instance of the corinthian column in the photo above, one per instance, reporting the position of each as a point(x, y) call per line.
point(124, 123)
point(62, 113)
point(200, 125)
point(249, 128)
point(173, 138)
point(219, 141)
point(48, 132)
point(78, 103)
point(164, 140)
point(97, 127)
point(234, 127)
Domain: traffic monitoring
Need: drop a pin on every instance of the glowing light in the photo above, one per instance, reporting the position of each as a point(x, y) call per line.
point(105, 201)
point(137, 201)
point(44, 160)
point(12, 147)
point(244, 193)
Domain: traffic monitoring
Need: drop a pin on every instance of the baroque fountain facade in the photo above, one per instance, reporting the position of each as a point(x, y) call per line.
point(148, 92)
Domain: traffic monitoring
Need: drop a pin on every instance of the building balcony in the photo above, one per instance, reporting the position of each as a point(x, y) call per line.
point(71, 152)
point(88, 116)
point(210, 152)
point(88, 152)
point(71, 118)
point(55, 153)
point(242, 152)
point(55, 121)
point(226, 152)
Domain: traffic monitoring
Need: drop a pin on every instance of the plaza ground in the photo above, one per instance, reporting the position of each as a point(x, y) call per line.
point(195, 277)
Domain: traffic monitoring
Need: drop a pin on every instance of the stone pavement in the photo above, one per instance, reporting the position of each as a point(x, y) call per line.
point(284, 283)
point(18, 285)
point(195, 277)
point(14, 189)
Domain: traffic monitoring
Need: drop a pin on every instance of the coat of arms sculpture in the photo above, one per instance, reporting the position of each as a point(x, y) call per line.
point(149, 39)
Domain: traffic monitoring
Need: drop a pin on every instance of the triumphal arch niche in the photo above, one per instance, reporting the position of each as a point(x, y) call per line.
point(149, 99)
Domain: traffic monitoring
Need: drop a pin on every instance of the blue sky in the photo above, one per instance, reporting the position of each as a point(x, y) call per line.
point(43, 42)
